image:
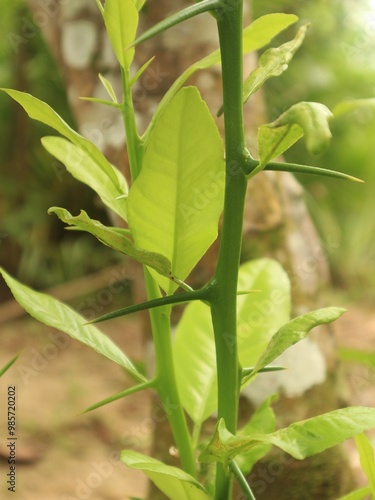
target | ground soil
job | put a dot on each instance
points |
(66, 456)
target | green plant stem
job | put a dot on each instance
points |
(180, 298)
(241, 480)
(224, 301)
(166, 379)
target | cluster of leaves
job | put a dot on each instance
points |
(181, 149)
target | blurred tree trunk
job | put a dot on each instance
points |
(276, 221)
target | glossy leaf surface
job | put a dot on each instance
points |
(273, 63)
(175, 204)
(295, 331)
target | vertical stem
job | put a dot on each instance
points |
(166, 378)
(224, 303)
(160, 318)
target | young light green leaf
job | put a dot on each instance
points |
(108, 86)
(258, 34)
(54, 313)
(300, 440)
(195, 362)
(260, 315)
(273, 63)
(121, 21)
(173, 482)
(295, 331)
(109, 184)
(366, 456)
(40, 111)
(113, 239)
(167, 215)
(359, 494)
(9, 364)
(305, 118)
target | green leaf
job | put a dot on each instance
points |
(300, 440)
(40, 111)
(273, 63)
(121, 21)
(173, 482)
(260, 315)
(108, 86)
(359, 494)
(305, 118)
(118, 241)
(366, 456)
(54, 313)
(295, 331)
(166, 214)
(258, 34)
(9, 364)
(108, 183)
(262, 421)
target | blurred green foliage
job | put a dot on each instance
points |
(336, 62)
(33, 245)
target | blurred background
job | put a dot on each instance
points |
(336, 62)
